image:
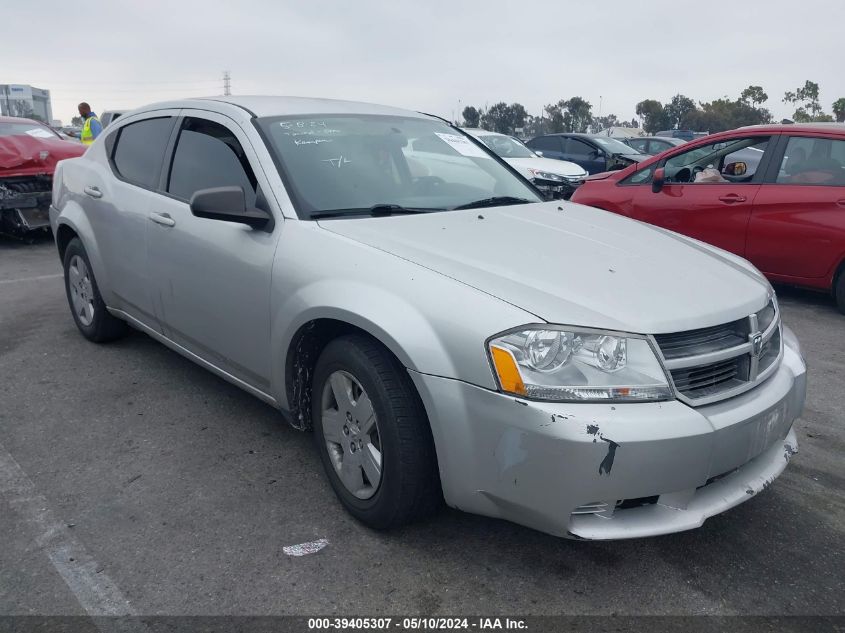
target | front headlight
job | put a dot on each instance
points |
(569, 365)
(545, 175)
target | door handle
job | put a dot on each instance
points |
(162, 218)
(841, 203)
(731, 198)
(94, 192)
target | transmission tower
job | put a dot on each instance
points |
(227, 83)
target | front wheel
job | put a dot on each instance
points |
(83, 296)
(373, 435)
(839, 292)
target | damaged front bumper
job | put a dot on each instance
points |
(24, 204)
(611, 471)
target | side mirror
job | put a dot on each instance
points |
(735, 169)
(658, 180)
(538, 152)
(229, 205)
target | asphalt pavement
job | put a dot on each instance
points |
(133, 481)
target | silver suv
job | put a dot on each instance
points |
(385, 280)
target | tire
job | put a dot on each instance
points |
(83, 297)
(408, 486)
(839, 292)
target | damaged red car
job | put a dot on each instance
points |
(29, 151)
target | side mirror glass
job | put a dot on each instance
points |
(658, 180)
(735, 169)
(227, 204)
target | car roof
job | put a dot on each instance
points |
(264, 106)
(797, 127)
(580, 134)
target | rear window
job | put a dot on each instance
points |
(813, 161)
(139, 150)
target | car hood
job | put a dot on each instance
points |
(570, 264)
(559, 167)
(26, 155)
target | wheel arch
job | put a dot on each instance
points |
(72, 222)
(303, 349)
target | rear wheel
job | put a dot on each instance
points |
(839, 292)
(373, 435)
(89, 312)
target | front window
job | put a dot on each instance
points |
(26, 129)
(505, 146)
(612, 146)
(734, 160)
(347, 164)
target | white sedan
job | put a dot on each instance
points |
(559, 177)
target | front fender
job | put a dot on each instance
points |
(396, 323)
(433, 324)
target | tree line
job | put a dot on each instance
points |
(681, 112)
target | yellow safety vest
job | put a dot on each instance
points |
(86, 136)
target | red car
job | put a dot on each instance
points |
(774, 194)
(29, 151)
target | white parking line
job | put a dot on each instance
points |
(92, 587)
(25, 279)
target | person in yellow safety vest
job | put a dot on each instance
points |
(91, 128)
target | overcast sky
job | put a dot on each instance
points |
(431, 55)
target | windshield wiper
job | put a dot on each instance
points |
(377, 210)
(492, 202)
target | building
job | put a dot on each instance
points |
(25, 101)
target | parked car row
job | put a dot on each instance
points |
(445, 330)
(558, 178)
(593, 152)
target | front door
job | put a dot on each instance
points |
(586, 155)
(210, 278)
(704, 195)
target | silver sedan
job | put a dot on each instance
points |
(386, 281)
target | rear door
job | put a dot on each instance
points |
(715, 209)
(117, 203)
(210, 278)
(797, 229)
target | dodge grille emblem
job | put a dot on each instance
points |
(756, 344)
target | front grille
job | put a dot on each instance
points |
(712, 363)
(705, 380)
(708, 339)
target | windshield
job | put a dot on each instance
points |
(352, 163)
(506, 146)
(30, 129)
(613, 146)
